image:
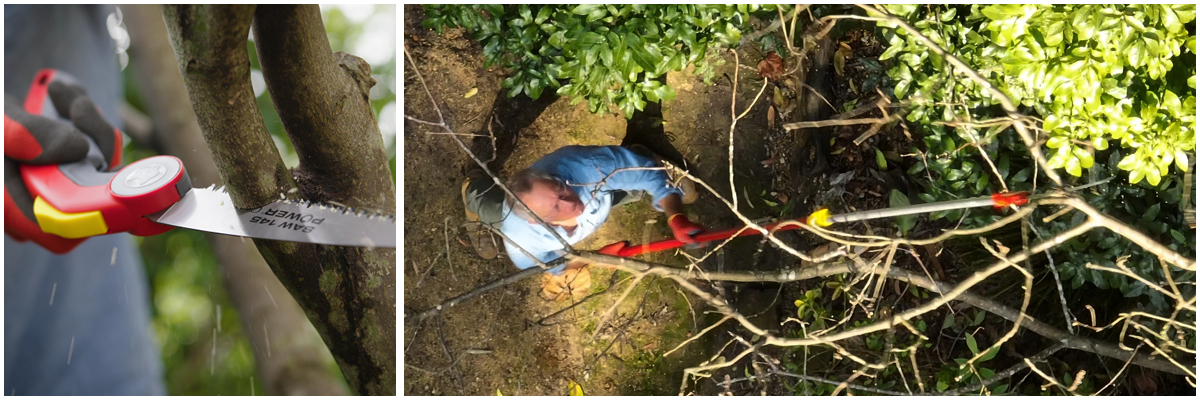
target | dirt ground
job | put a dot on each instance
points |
(499, 342)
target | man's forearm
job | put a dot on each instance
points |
(671, 205)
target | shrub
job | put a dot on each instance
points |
(608, 54)
(1093, 73)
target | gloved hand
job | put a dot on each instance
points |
(684, 229)
(34, 139)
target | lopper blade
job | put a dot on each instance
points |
(209, 210)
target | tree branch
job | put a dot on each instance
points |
(323, 102)
(296, 365)
(348, 292)
(519, 275)
(842, 267)
(210, 49)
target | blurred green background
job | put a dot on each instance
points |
(203, 347)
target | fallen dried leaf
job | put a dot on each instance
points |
(771, 117)
(771, 67)
(1000, 247)
(839, 58)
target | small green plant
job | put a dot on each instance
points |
(967, 372)
(809, 309)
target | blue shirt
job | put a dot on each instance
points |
(78, 323)
(583, 168)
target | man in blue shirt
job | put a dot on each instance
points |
(76, 323)
(572, 189)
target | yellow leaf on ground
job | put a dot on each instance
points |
(574, 389)
(498, 393)
(471, 93)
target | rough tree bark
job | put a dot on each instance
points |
(287, 356)
(347, 292)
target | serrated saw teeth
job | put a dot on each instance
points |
(297, 220)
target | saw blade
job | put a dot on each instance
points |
(211, 210)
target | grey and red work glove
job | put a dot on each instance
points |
(683, 229)
(30, 138)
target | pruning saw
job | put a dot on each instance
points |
(155, 194)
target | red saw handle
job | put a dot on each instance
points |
(79, 199)
(624, 249)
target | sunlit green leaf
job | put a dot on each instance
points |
(1153, 176)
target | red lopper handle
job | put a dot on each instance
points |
(1002, 200)
(624, 249)
(78, 200)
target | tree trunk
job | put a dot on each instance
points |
(348, 293)
(288, 358)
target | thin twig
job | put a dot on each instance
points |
(519, 275)
(613, 307)
(457, 374)
(836, 122)
(736, 117)
(697, 336)
(541, 321)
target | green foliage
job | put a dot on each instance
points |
(954, 169)
(611, 55)
(810, 310)
(1156, 211)
(1094, 73)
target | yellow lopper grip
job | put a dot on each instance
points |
(819, 218)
